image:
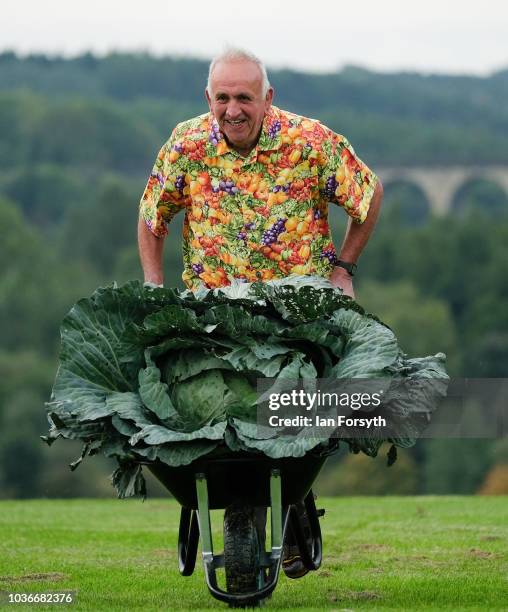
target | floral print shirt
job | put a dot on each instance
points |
(258, 217)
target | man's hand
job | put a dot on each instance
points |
(342, 279)
(150, 253)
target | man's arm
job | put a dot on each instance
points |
(354, 241)
(150, 253)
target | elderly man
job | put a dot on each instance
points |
(255, 182)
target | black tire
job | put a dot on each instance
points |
(241, 550)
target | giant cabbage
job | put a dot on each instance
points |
(157, 374)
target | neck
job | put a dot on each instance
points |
(245, 151)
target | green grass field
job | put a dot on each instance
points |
(410, 553)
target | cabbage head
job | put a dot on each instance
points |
(160, 374)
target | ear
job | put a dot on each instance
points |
(268, 98)
(208, 99)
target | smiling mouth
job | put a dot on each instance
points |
(236, 122)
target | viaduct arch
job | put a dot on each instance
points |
(441, 184)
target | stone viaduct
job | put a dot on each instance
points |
(440, 185)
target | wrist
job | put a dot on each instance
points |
(154, 279)
(345, 267)
(341, 275)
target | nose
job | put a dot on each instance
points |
(233, 110)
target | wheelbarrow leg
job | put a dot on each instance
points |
(212, 562)
(276, 514)
(188, 539)
(311, 552)
(204, 518)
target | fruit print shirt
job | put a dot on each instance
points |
(260, 217)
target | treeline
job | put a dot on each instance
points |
(400, 118)
(73, 164)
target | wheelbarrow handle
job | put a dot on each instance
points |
(312, 555)
(188, 540)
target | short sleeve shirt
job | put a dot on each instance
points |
(258, 217)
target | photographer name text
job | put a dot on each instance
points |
(320, 421)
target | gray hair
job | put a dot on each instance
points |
(234, 54)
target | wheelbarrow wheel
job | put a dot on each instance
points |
(241, 551)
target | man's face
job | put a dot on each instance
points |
(236, 100)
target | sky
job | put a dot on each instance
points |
(429, 36)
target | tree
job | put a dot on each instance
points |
(423, 324)
(406, 203)
(45, 193)
(21, 463)
(455, 465)
(496, 480)
(481, 197)
(36, 286)
(98, 233)
(362, 475)
(94, 136)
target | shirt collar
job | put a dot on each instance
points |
(269, 139)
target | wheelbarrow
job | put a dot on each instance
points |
(241, 482)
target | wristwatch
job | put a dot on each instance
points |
(350, 267)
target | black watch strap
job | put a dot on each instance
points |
(350, 267)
